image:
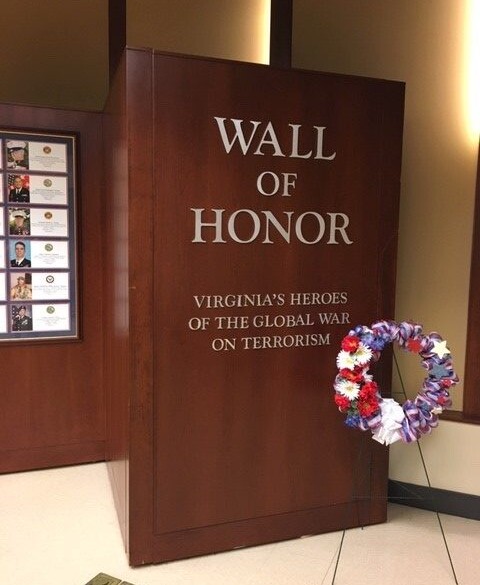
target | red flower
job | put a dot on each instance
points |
(351, 375)
(369, 390)
(350, 343)
(368, 407)
(414, 345)
(342, 402)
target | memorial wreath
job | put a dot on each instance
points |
(358, 395)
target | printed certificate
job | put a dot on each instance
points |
(48, 190)
(3, 284)
(49, 254)
(3, 318)
(2, 226)
(48, 156)
(50, 286)
(51, 317)
(48, 222)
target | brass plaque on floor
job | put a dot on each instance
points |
(103, 579)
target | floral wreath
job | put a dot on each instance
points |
(357, 395)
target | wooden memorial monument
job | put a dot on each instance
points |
(251, 221)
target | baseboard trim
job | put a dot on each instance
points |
(51, 456)
(435, 499)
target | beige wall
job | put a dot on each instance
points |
(424, 44)
(451, 458)
(54, 53)
(421, 43)
(227, 29)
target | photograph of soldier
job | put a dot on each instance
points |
(21, 287)
(18, 254)
(18, 192)
(21, 321)
(19, 224)
(17, 154)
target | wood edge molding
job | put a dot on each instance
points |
(471, 396)
(117, 34)
(52, 456)
(281, 20)
(459, 416)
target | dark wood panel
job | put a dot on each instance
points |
(243, 426)
(52, 392)
(56, 456)
(250, 429)
(265, 530)
(471, 395)
(117, 34)
(142, 303)
(115, 287)
(281, 21)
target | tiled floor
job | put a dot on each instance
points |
(59, 527)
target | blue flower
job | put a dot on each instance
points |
(378, 344)
(352, 420)
(374, 342)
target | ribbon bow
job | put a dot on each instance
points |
(388, 431)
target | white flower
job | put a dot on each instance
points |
(345, 360)
(388, 431)
(366, 376)
(347, 388)
(363, 354)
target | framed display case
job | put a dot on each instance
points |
(38, 236)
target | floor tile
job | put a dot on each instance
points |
(60, 526)
(409, 548)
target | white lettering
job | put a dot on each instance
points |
(198, 323)
(256, 226)
(269, 138)
(286, 341)
(288, 181)
(244, 226)
(238, 135)
(320, 135)
(295, 132)
(334, 228)
(321, 227)
(219, 344)
(276, 183)
(334, 318)
(283, 231)
(217, 224)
